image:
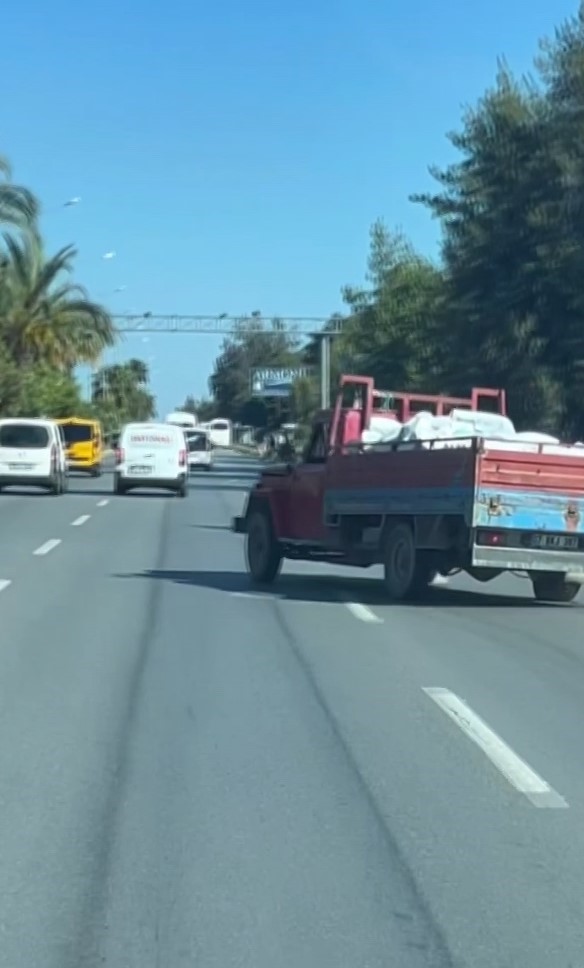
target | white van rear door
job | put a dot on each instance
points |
(151, 452)
(25, 450)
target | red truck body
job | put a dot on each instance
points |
(483, 506)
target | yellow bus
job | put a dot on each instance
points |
(84, 440)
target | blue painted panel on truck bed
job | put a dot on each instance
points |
(400, 500)
(527, 510)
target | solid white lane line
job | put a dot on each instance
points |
(47, 546)
(102, 504)
(513, 768)
(363, 613)
(81, 520)
(4, 583)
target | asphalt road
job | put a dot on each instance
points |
(192, 774)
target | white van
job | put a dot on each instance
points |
(32, 454)
(200, 450)
(151, 455)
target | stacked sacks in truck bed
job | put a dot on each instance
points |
(382, 430)
(458, 429)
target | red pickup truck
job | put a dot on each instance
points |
(420, 508)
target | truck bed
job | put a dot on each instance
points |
(534, 487)
(530, 491)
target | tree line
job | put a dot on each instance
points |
(503, 305)
(49, 326)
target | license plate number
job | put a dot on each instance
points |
(141, 469)
(558, 542)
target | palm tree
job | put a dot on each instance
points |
(122, 386)
(43, 319)
(18, 205)
(139, 370)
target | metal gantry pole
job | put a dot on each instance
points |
(325, 371)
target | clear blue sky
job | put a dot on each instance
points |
(234, 155)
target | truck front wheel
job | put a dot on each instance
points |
(263, 555)
(399, 562)
(554, 588)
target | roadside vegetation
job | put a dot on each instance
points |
(504, 303)
(49, 325)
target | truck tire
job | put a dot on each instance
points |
(399, 562)
(554, 588)
(262, 552)
(424, 575)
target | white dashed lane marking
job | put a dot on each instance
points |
(102, 504)
(81, 520)
(4, 583)
(363, 613)
(515, 770)
(47, 546)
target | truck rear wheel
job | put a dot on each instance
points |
(424, 575)
(262, 552)
(554, 588)
(399, 562)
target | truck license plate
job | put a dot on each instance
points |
(140, 469)
(557, 542)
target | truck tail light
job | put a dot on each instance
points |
(182, 458)
(120, 455)
(493, 539)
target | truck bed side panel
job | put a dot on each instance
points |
(530, 492)
(401, 482)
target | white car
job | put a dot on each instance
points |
(32, 454)
(200, 450)
(151, 455)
